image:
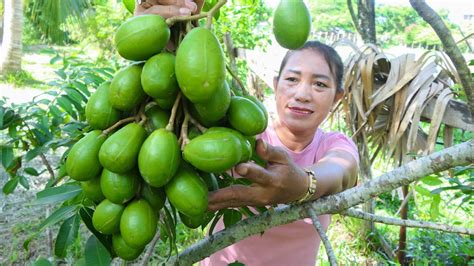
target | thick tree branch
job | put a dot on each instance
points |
(408, 223)
(458, 155)
(435, 21)
(317, 225)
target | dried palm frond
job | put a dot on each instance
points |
(386, 97)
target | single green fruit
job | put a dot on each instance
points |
(216, 107)
(120, 151)
(246, 117)
(166, 103)
(259, 104)
(213, 152)
(200, 65)
(141, 37)
(155, 196)
(159, 157)
(83, 159)
(187, 192)
(158, 77)
(291, 23)
(126, 90)
(123, 250)
(92, 190)
(119, 188)
(100, 114)
(244, 142)
(129, 5)
(157, 118)
(106, 218)
(138, 223)
(203, 120)
(192, 222)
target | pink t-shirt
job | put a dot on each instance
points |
(296, 243)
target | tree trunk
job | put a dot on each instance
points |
(450, 47)
(11, 49)
(364, 20)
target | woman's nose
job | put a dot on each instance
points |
(303, 92)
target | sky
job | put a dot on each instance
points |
(456, 8)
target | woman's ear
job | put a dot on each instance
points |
(338, 96)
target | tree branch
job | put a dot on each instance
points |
(435, 21)
(408, 223)
(174, 110)
(317, 225)
(458, 155)
(151, 248)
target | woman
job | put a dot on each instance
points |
(305, 163)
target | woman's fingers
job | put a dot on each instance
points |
(272, 154)
(254, 173)
(191, 5)
(233, 196)
(167, 11)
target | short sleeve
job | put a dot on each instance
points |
(337, 141)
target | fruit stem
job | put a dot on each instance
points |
(169, 127)
(116, 125)
(183, 137)
(234, 76)
(197, 124)
(209, 14)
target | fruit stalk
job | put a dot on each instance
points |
(208, 15)
(116, 125)
(234, 76)
(169, 127)
(197, 124)
(183, 137)
(151, 248)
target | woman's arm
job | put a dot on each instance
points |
(283, 181)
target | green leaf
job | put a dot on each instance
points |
(57, 216)
(86, 216)
(64, 102)
(42, 262)
(10, 185)
(66, 235)
(231, 217)
(434, 207)
(57, 194)
(95, 253)
(214, 222)
(423, 191)
(24, 182)
(31, 171)
(7, 156)
(31, 154)
(431, 180)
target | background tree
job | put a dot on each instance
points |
(11, 49)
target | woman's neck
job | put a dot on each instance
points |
(295, 141)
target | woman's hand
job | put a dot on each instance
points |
(169, 8)
(281, 182)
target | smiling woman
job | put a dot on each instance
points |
(305, 163)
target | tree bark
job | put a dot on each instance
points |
(364, 20)
(11, 49)
(351, 212)
(458, 155)
(450, 47)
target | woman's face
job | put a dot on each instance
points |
(305, 92)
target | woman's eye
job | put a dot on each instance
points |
(320, 84)
(291, 79)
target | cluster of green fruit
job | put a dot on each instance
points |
(130, 169)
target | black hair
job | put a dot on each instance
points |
(330, 55)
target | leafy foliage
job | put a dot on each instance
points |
(34, 128)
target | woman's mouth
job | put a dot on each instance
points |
(300, 110)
